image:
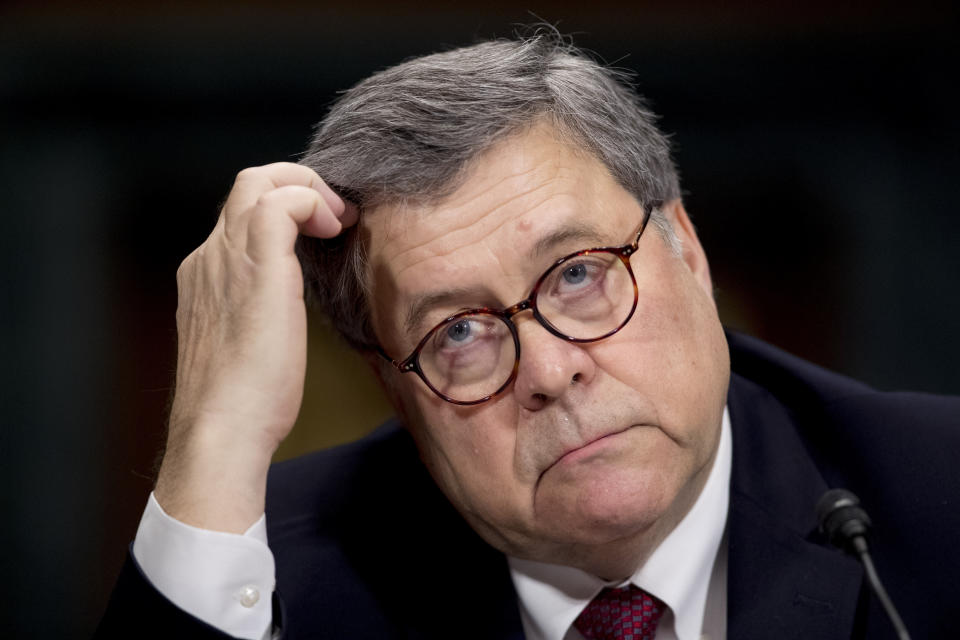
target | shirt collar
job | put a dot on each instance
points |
(678, 571)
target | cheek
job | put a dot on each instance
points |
(470, 452)
(674, 353)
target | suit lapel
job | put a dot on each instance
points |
(783, 582)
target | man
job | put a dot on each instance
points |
(499, 230)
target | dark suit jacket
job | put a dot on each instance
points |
(366, 546)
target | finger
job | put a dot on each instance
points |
(253, 182)
(350, 215)
(280, 215)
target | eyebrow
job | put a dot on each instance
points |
(427, 301)
(580, 232)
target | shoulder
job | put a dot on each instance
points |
(315, 480)
(327, 513)
(896, 450)
(322, 494)
(799, 429)
(810, 390)
(346, 524)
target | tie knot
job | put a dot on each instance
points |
(626, 613)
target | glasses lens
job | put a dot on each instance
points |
(588, 295)
(470, 357)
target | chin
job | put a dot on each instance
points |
(603, 512)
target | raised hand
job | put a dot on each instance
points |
(242, 341)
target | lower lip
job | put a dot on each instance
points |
(591, 448)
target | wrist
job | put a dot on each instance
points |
(213, 479)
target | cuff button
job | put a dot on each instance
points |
(248, 596)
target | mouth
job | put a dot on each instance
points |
(583, 450)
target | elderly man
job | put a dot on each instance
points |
(499, 230)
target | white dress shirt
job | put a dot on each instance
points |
(227, 579)
(687, 571)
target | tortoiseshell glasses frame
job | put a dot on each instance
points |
(412, 363)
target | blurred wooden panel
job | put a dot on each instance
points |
(341, 398)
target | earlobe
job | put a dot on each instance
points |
(692, 251)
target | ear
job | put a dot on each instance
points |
(693, 254)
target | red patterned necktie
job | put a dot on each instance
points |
(627, 613)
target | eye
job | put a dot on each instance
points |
(459, 331)
(577, 278)
(574, 274)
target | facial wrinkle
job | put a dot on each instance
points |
(584, 419)
(553, 171)
(450, 241)
(456, 299)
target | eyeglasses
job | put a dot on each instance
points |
(474, 355)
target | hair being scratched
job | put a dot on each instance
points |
(408, 134)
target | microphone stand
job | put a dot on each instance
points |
(846, 524)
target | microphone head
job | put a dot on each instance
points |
(841, 518)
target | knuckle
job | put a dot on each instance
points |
(266, 199)
(261, 210)
(185, 266)
(188, 265)
(247, 175)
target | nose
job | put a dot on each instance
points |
(549, 366)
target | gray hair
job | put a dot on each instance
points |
(408, 134)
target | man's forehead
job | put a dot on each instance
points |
(523, 203)
(526, 186)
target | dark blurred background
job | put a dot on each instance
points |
(818, 146)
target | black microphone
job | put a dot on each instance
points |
(845, 524)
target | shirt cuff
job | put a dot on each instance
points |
(224, 579)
